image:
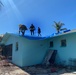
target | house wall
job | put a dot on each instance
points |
(64, 54)
(34, 51)
(16, 55)
(30, 52)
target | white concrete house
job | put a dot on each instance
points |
(30, 50)
(65, 44)
(27, 50)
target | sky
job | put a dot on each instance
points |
(42, 13)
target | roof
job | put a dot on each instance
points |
(30, 37)
(62, 34)
(7, 35)
(33, 37)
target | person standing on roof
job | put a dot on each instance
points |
(22, 29)
(32, 29)
(39, 31)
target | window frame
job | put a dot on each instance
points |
(51, 44)
(63, 43)
(17, 46)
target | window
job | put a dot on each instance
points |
(63, 43)
(51, 43)
(16, 46)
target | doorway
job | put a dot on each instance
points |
(8, 51)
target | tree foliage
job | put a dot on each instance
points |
(58, 26)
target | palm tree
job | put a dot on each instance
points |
(58, 26)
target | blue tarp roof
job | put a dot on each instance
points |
(34, 37)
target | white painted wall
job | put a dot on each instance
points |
(65, 53)
(30, 52)
(16, 55)
(34, 51)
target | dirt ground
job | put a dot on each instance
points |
(38, 70)
(7, 68)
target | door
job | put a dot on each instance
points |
(8, 51)
(53, 57)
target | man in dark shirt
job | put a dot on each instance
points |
(32, 29)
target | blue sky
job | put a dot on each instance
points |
(41, 13)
